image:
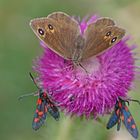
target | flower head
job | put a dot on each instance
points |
(110, 76)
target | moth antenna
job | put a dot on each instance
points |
(30, 94)
(26, 95)
(33, 80)
(127, 102)
(133, 100)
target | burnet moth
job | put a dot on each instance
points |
(120, 114)
(44, 105)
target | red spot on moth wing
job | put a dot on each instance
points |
(51, 105)
(46, 109)
(45, 94)
(36, 120)
(48, 105)
(133, 126)
(122, 117)
(120, 105)
(40, 113)
(129, 119)
(126, 108)
(39, 101)
(118, 112)
(36, 111)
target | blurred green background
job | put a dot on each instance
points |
(19, 46)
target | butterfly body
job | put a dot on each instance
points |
(122, 114)
(77, 53)
(62, 34)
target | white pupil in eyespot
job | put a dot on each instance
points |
(114, 39)
(50, 27)
(41, 32)
(108, 34)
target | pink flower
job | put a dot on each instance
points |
(111, 76)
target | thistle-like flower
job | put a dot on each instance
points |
(110, 75)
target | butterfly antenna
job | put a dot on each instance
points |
(33, 79)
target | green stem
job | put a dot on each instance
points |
(64, 130)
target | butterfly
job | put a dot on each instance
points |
(44, 105)
(120, 114)
(62, 34)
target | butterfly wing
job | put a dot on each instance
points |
(60, 32)
(129, 122)
(100, 36)
(40, 114)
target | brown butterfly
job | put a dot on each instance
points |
(62, 34)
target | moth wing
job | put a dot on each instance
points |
(98, 39)
(129, 122)
(113, 120)
(61, 38)
(40, 114)
(53, 110)
(119, 124)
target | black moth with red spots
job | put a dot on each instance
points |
(44, 105)
(121, 113)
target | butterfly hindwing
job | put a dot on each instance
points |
(40, 114)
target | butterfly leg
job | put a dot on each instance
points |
(83, 68)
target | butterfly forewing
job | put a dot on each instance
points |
(60, 33)
(40, 114)
(101, 23)
(100, 37)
